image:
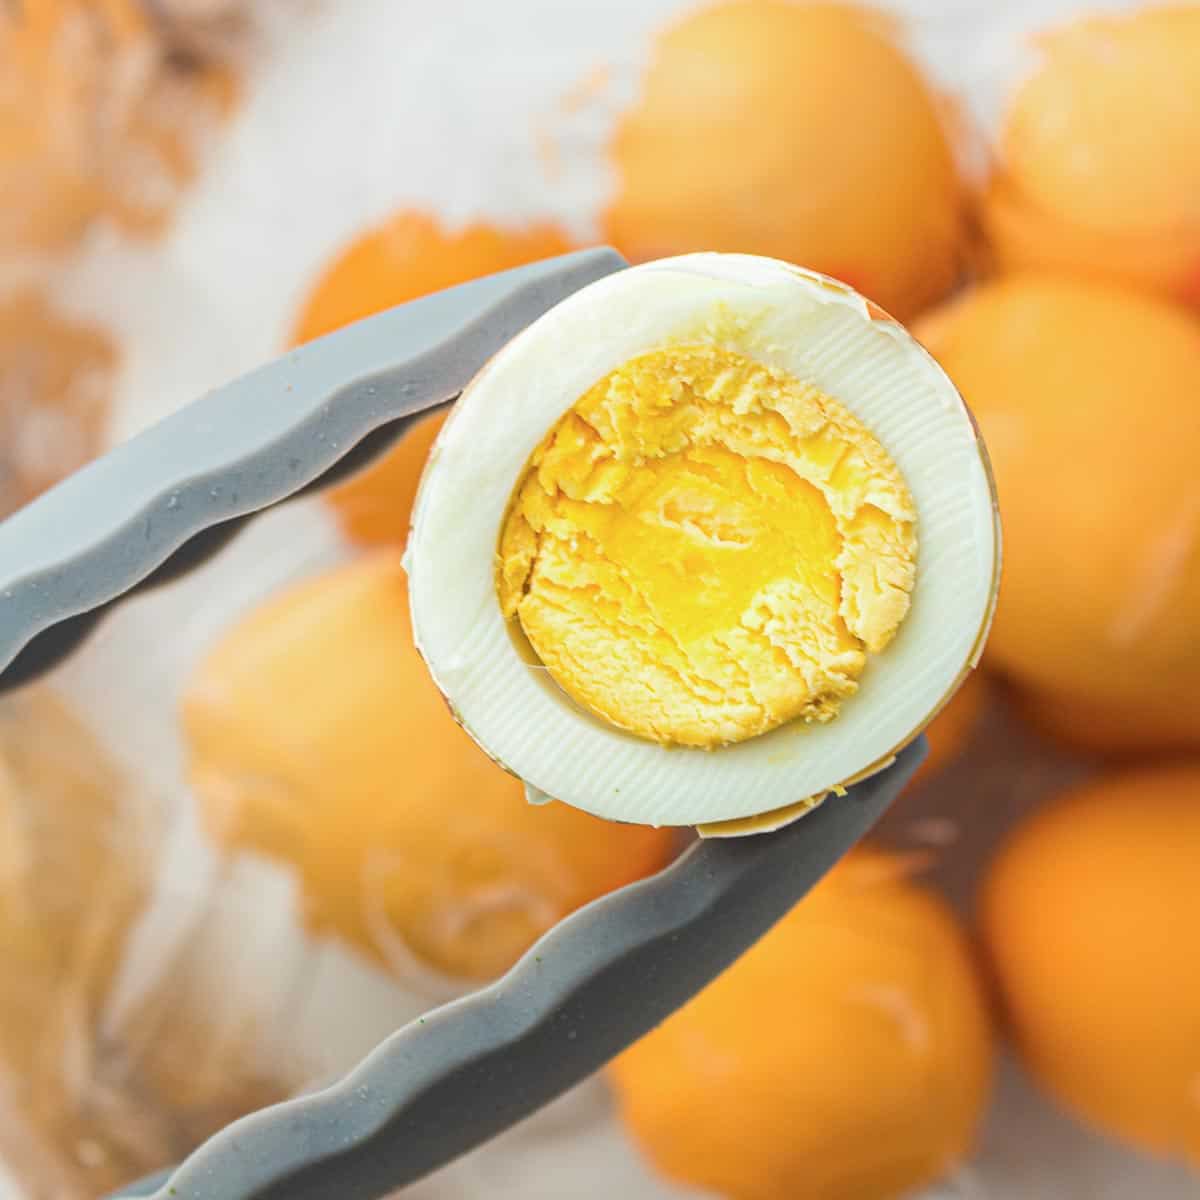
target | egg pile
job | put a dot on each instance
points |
(705, 544)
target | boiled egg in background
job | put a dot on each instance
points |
(890, 1063)
(1095, 885)
(409, 255)
(409, 844)
(1099, 620)
(1076, 190)
(756, 129)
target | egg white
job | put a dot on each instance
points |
(800, 322)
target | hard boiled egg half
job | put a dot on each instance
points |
(710, 540)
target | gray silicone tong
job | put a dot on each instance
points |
(170, 498)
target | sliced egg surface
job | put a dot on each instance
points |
(711, 539)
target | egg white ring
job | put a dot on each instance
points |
(817, 331)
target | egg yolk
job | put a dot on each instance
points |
(704, 548)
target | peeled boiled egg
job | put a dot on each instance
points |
(1093, 386)
(711, 539)
(802, 131)
(1087, 915)
(316, 740)
(410, 255)
(879, 1087)
(1101, 198)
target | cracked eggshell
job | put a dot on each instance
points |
(807, 325)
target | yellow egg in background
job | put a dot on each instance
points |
(409, 256)
(1086, 395)
(797, 131)
(847, 1056)
(316, 738)
(1089, 915)
(1099, 157)
(374, 507)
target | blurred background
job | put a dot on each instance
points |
(241, 838)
